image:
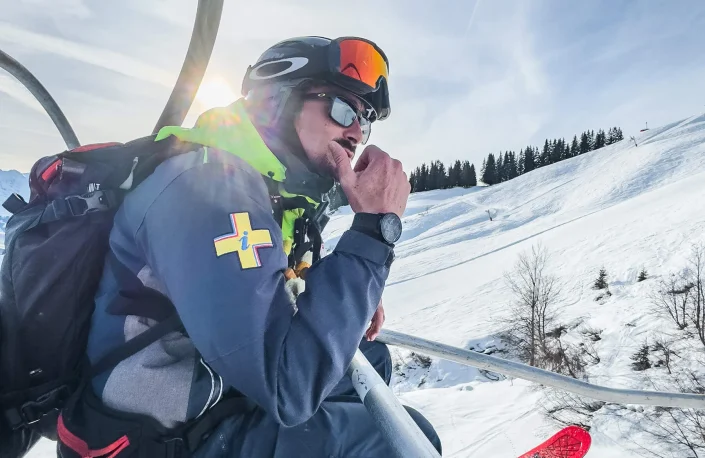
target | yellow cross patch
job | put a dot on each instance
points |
(244, 241)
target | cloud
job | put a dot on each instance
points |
(467, 79)
(107, 59)
(61, 8)
(13, 88)
(499, 101)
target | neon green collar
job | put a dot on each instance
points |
(230, 129)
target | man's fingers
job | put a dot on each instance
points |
(376, 323)
(342, 162)
(365, 158)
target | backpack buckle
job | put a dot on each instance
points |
(93, 201)
(32, 412)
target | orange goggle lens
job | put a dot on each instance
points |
(361, 61)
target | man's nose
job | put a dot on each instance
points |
(353, 133)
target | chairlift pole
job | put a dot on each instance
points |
(534, 374)
(39, 92)
(394, 422)
(205, 31)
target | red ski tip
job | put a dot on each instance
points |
(570, 442)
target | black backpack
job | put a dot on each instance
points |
(55, 249)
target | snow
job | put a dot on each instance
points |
(621, 207)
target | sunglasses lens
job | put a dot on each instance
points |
(345, 115)
(342, 113)
(366, 128)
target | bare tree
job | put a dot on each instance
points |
(567, 408)
(536, 294)
(589, 353)
(695, 272)
(682, 431)
(664, 350)
(672, 298)
(682, 296)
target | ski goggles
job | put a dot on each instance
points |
(344, 112)
(362, 60)
(362, 67)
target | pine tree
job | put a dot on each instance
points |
(467, 175)
(600, 139)
(591, 140)
(454, 174)
(584, 143)
(618, 135)
(643, 275)
(458, 170)
(546, 154)
(610, 136)
(641, 358)
(529, 159)
(422, 178)
(432, 176)
(562, 151)
(499, 167)
(574, 148)
(556, 151)
(507, 173)
(513, 169)
(490, 174)
(601, 282)
(441, 177)
(520, 163)
(412, 180)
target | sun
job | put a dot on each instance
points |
(215, 92)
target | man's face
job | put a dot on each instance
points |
(316, 129)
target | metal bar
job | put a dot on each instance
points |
(40, 93)
(395, 423)
(522, 371)
(205, 31)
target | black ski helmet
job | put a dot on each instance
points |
(354, 64)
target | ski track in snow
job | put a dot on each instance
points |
(622, 207)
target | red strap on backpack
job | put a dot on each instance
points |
(79, 446)
(51, 171)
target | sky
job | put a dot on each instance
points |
(467, 77)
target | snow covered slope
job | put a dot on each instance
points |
(621, 207)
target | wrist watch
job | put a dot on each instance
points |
(385, 227)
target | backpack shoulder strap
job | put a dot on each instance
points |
(134, 345)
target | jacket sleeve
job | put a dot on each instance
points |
(229, 291)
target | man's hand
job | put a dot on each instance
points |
(376, 324)
(378, 183)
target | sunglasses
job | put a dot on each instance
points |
(344, 112)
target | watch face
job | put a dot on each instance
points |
(390, 225)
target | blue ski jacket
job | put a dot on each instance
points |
(200, 230)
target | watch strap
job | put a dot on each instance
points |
(368, 223)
